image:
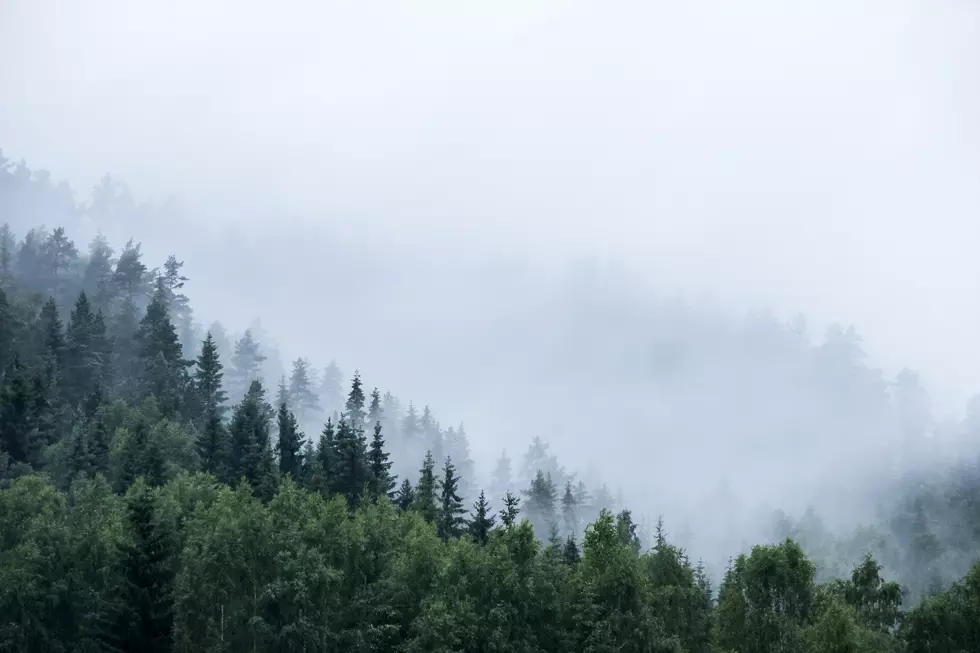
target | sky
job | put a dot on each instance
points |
(817, 156)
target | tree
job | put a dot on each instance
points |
(86, 351)
(540, 503)
(177, 302)
(249, 431)
(304, 401)
(352, 472)
(164, 373)
(406, 496)
(355, 402)
(18, 419)
(148, 577)
(410, 424)
(331, 392)
(483, 521)
(246, 364)
(382, 481)
(508, 514)
(568, 513)
(425, 490)
(451, 513)
(208, 380)
(290, 444)
(375, 412)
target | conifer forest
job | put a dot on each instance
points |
(160, 493)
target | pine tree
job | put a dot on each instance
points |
(17, 419)
(208, 378)
(290, 444)
(355, 402)
(86, 351)
(375, 412)
(410, 424)
(508, 514)
(52, 345)
(382, 481)
(148, 569)
(352, 471)
(97, 278)
(330, 387)
(141, 458)
(451, 522)
(303, 400)
(406, 496)
(130, 276)
(249, 436)
(483, 521)
(124, 326)
(425, 490)
(570, 554)
(164, 369)
(540, 507)
(568, 511)
(324, 470)
(246, 364)
(177, 302)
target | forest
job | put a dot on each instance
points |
(158, 492)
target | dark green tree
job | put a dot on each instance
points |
(451, 522)
(425, 490)
(354, 409)
(508, 514)
(249, 431)
(382, 481)
(290, 444)
(482, 522)
(406, 496)
(352, 470)
(164, 373)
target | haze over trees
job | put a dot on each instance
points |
(159, 494)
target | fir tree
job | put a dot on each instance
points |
(382, 481)
(375, 412)
(18, 436)
(540, 505)
(568, 511)
(410, 424)
(290, 444)
(86, 351)
(425, 490)
(148, 573)
(52, 346)
(246, 364)
(483, 521)
(570, 554)
(164, 369)
(406, 496)
(303, 400)
(352, 471)
(331, 387)
(249, 436)
(451, 522)
(508, 514)
(355, 402)
(324, 470)
(208, 378)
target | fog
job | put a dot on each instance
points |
(552, 218)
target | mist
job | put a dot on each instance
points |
(591, 222)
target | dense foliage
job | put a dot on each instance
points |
(156, 496)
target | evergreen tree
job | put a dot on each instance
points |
(352, 469)
(52, 345)
(208, 379)
(148, 571)
(97, 278)
(304, 401)
(425, 490)
(249, 436)
(540, 503)
(130, 277)
(355, 402)
(323, 473)
(508, 514)
(246, 364)
(406, 496)
(382, 481)
(568, 512)
(570, 554)
(331, 392)
(410, 424)
(375, 412)
(451, 522)
(164, 369)
(18, 420)
(501, 481)
(290, 444)
(86, 351)
(177, 302)
(483, 521)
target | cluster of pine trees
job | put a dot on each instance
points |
(153, 501)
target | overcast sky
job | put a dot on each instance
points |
(815, 156)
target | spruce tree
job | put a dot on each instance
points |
(52, 345)
(406, 496)
(83, 356)
(410, 424)
(570, 553)
(148, 574)
(164, 369)
(483, 521)
(451, 522)
(382, 481)
(302, 399)
(352, 471)
(290, 444)
(246, 364)
(249, 436)
(331, 390)
(508, 514)
(355, 402)
(568, 511)
(375, 412)
(425, 490)
(540, 507)
(17, 419)
(324, 470)
(213, 446)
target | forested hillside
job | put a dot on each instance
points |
(164, 489)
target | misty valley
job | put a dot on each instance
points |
(168, 485)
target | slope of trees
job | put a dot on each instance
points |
(155, 496)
